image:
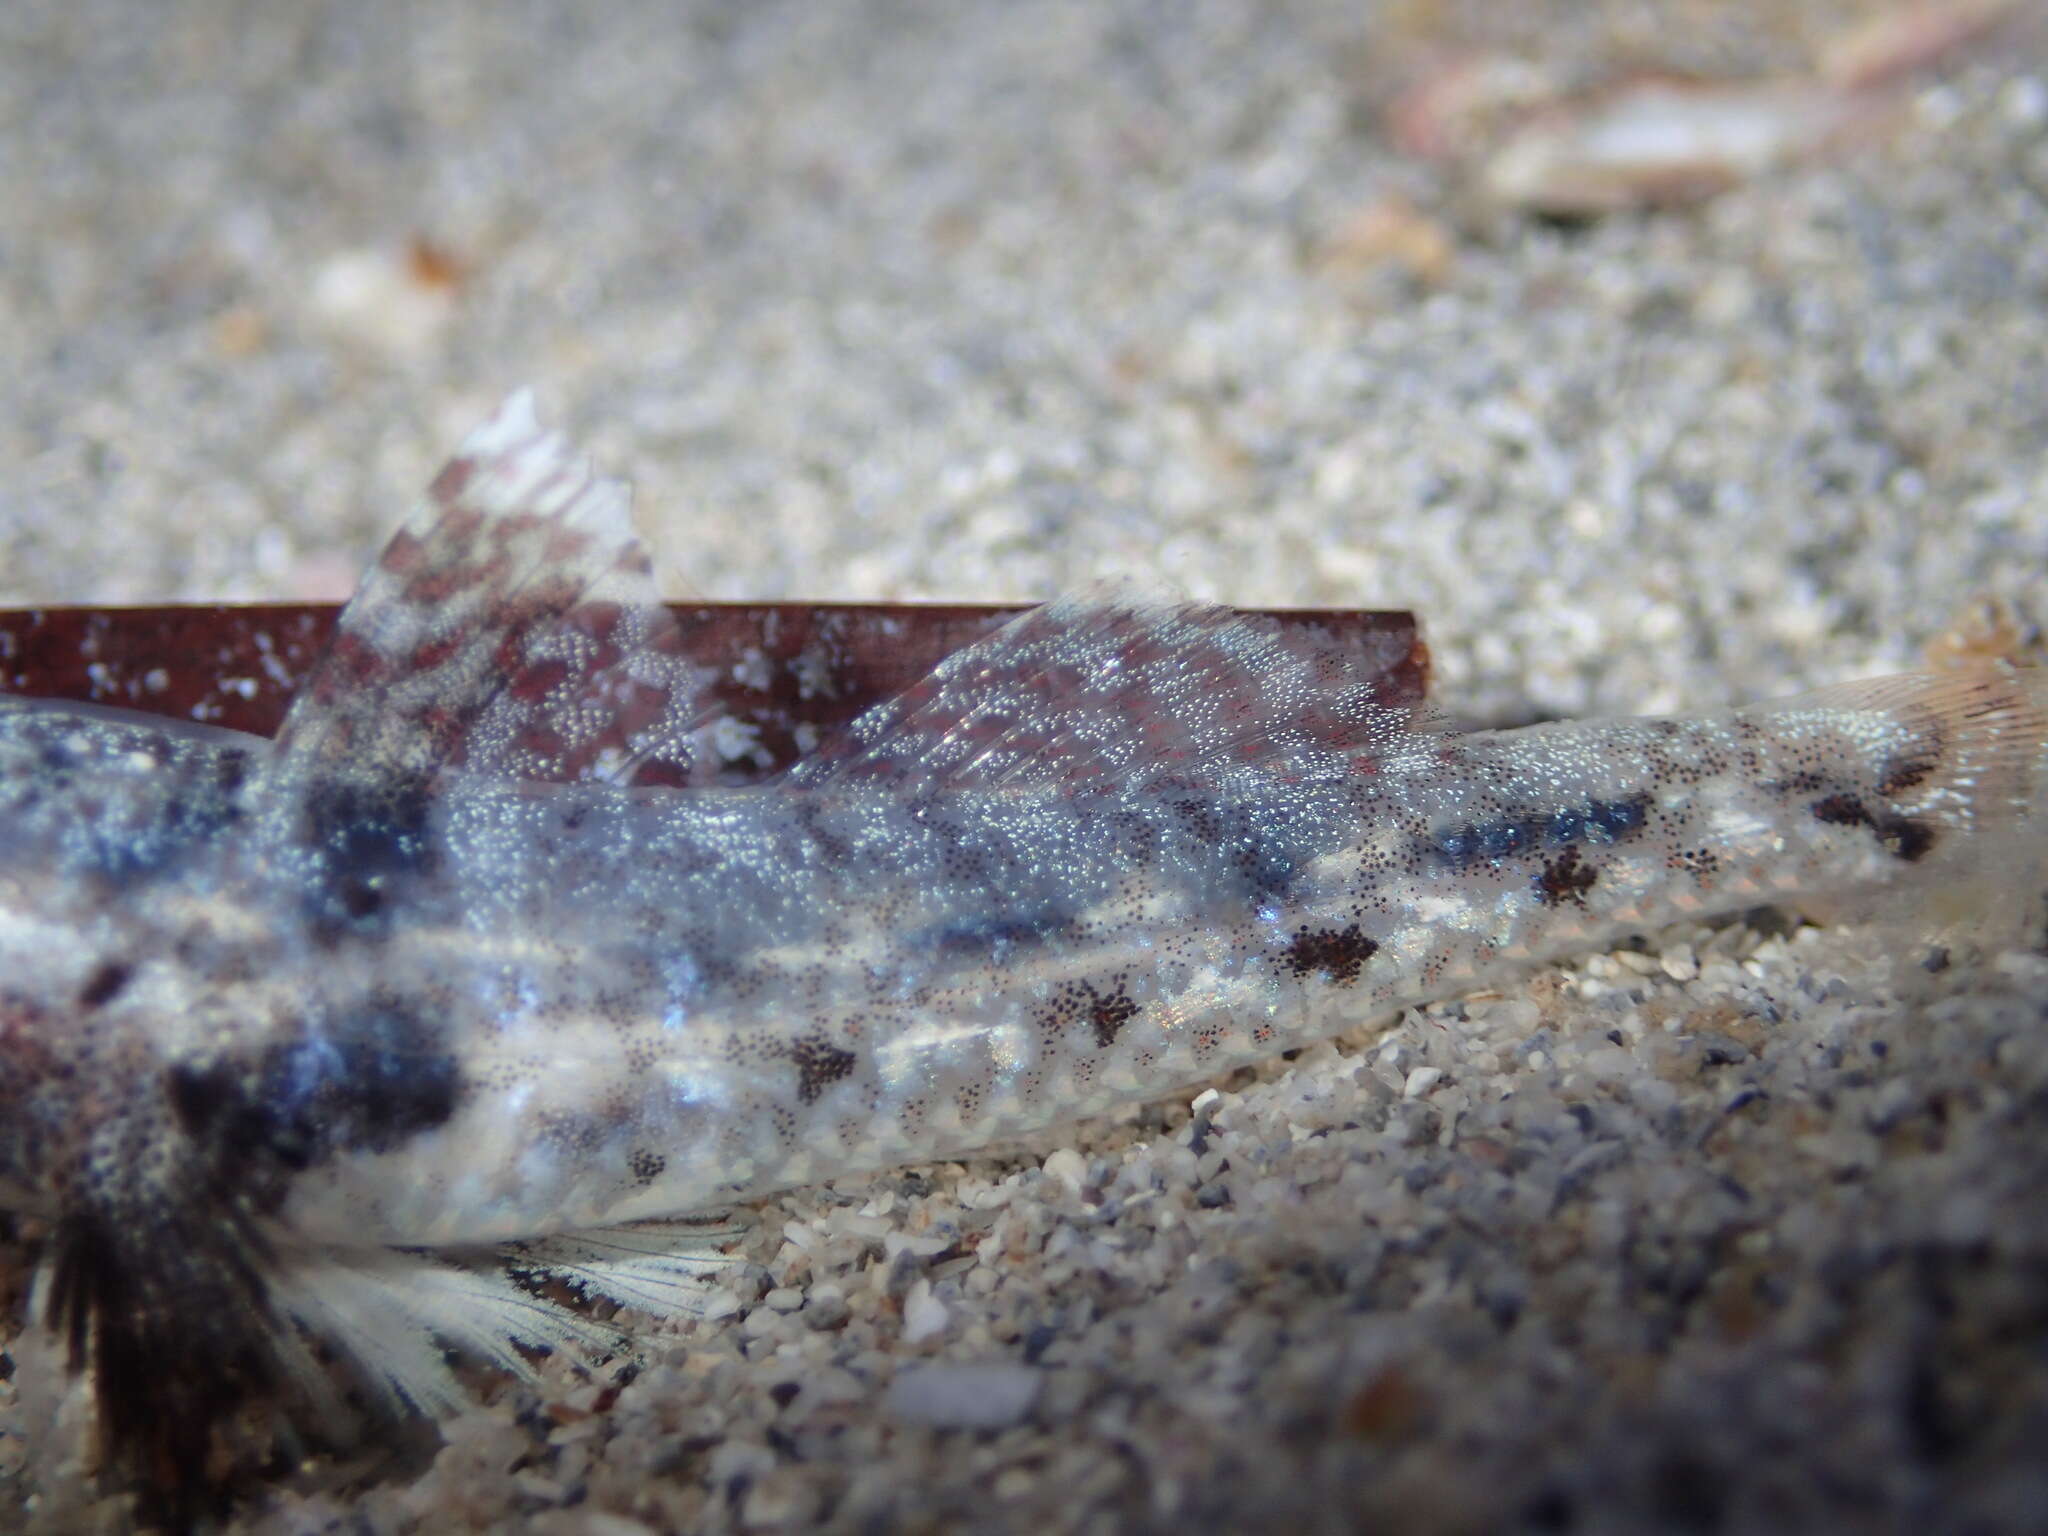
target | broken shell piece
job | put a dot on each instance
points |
(391, 300)
(1391, 233)
(1655, 143)
(1458, 105)
(1897, 43)
(1988, 629)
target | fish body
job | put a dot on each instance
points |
(651, 1003)
(467, 979)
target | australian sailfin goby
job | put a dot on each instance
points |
(453, 993)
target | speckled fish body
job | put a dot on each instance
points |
(652, 1003)
(461, 980)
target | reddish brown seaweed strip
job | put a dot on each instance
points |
(792, 671)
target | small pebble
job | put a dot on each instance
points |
(1069, 1167)
(1420, 1081)
(924, 1315)
(826, 1311)
(958, 1395)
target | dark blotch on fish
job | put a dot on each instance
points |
(1106, 1011)
(104, 985)
(647, 1166)
(819, 1064)
(370, 836)
(1109, 1015)
(1909, 769)
(1598, 821)
(1338, 953)
(1900, 836)
(1565, 878)
(365, 1082)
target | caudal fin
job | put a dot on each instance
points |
(1960, 789)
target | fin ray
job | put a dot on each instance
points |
(653, 1266)
(394, 1310)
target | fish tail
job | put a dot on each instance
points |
(1957, 786)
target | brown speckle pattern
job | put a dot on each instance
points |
(1565, 878)
(1338, 954)
(819, 1064)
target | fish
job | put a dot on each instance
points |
(470, 994)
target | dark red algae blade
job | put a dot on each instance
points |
(792, 672)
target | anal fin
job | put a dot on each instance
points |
(651, 1266)
(395, 1310)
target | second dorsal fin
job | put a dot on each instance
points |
(1118, 688)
